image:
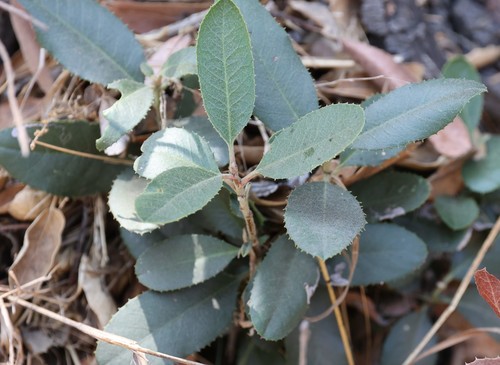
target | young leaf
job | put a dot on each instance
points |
(414, 112)
(459, 68)
(57, 172)
(312, 140)
(458, 213)
(281, 290)
(177, 193)
(488, 287)
(284, 89)
(174, 147)
(404, 336)
(225, 69)
(387, 252)
(88, 40)
(183, 261)
(483, 176)
(180, 64)
(390, 194)
(323, 219)
(127, 112)
(177, 323)
(126, 188)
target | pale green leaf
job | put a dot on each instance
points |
(352, 157)
(177, 193)
(58, 172)
(315, 138)
(414, 112)
(171, 148)
(126, 188)
(284, 89)
(323, 219)
(180, 64)
(176, 323)
(477, 311)
(183, 261)
(404, 336)
(457, 213)
(386, 252)
(390, 194)
(88, 39)
(279, 297)
(127, 112)
(483, 176)
(459, 68)
(225, 69)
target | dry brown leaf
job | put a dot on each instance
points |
(489, 288)
(28, 204)
(485, 361)
(7, 195)
(447, 180)
(41, 244)
(453, 140)
(98, 297)
(4, 177)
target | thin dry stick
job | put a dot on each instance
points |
(115, 161)
(34, 78)
(22, 135)
(336, 310)
(98, 334)
(458, 295)
(23, 15)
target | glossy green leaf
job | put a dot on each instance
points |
(283, 283)
(483, 176)
(414, 112)
(202, 127)
(387, 252)
(177, 193)
(459, 68)
(404, 336)
(390, 194)
(312, 140)
(171, 148)
(225, 69)
(353, 157)
(88, 40)
(126, 188)
(57, 172)
(284, 89)
(176, 323)
(323, 219)
(323, 344)
(180, 64)
(127, 112)
(183, 261)
(457, 213)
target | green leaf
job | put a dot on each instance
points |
(127, 112)
(386, 252)
(281, 290)
(483, 176)
(126, 188)
(284, 89)
(457, 213)
(177, 193)
(255, 351)
(225, 69)
(404, 336)
(137, 244)
(88, 40)
(58, 172)
(202, 127)
(183, 261)
(323, 344)
(462, 259)
(353, 157)
(176, 323)
(323, 219)
(390, 194)
(171, 148)
(180, 64)
(313, 139)
(459, 68)
(414, 112)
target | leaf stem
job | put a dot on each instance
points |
(336, 311)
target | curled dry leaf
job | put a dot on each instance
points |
(28, 204)
(41, 244)
(495, 361)
(452, 141)
(7, 195)
(489, 288)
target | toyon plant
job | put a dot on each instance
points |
(211, 257)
